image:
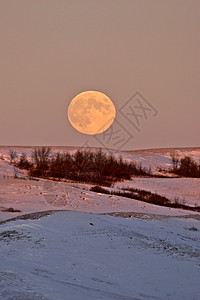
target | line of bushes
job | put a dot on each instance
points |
(85, 166)
(144, 196)
(186, 166)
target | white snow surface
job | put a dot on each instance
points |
(75, 253)
(35, 196)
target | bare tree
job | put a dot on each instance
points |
(175, 160)
(41, 159)
(12, 155)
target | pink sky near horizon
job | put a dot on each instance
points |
(52, 50)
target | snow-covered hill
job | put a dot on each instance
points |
(72, 255)
(76, 253)
(32, 196)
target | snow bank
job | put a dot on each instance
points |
(71, 255)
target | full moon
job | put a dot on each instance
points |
(91, 112)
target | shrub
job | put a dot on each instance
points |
(85, 166)
(186, 167)
(24, 163)
(41, 161)
(12, 155)
(145, 196)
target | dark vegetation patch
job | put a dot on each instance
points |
(11, 209)
(82, 166)
(193, 228)
(144, 196)
(12, 235)
(185, 167)
(149, 216)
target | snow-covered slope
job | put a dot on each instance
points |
(161, 158)
(6, 170)
(184, 190)
(72, 255)
(33, 196)
(77, 254)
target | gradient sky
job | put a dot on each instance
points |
(51, 50)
